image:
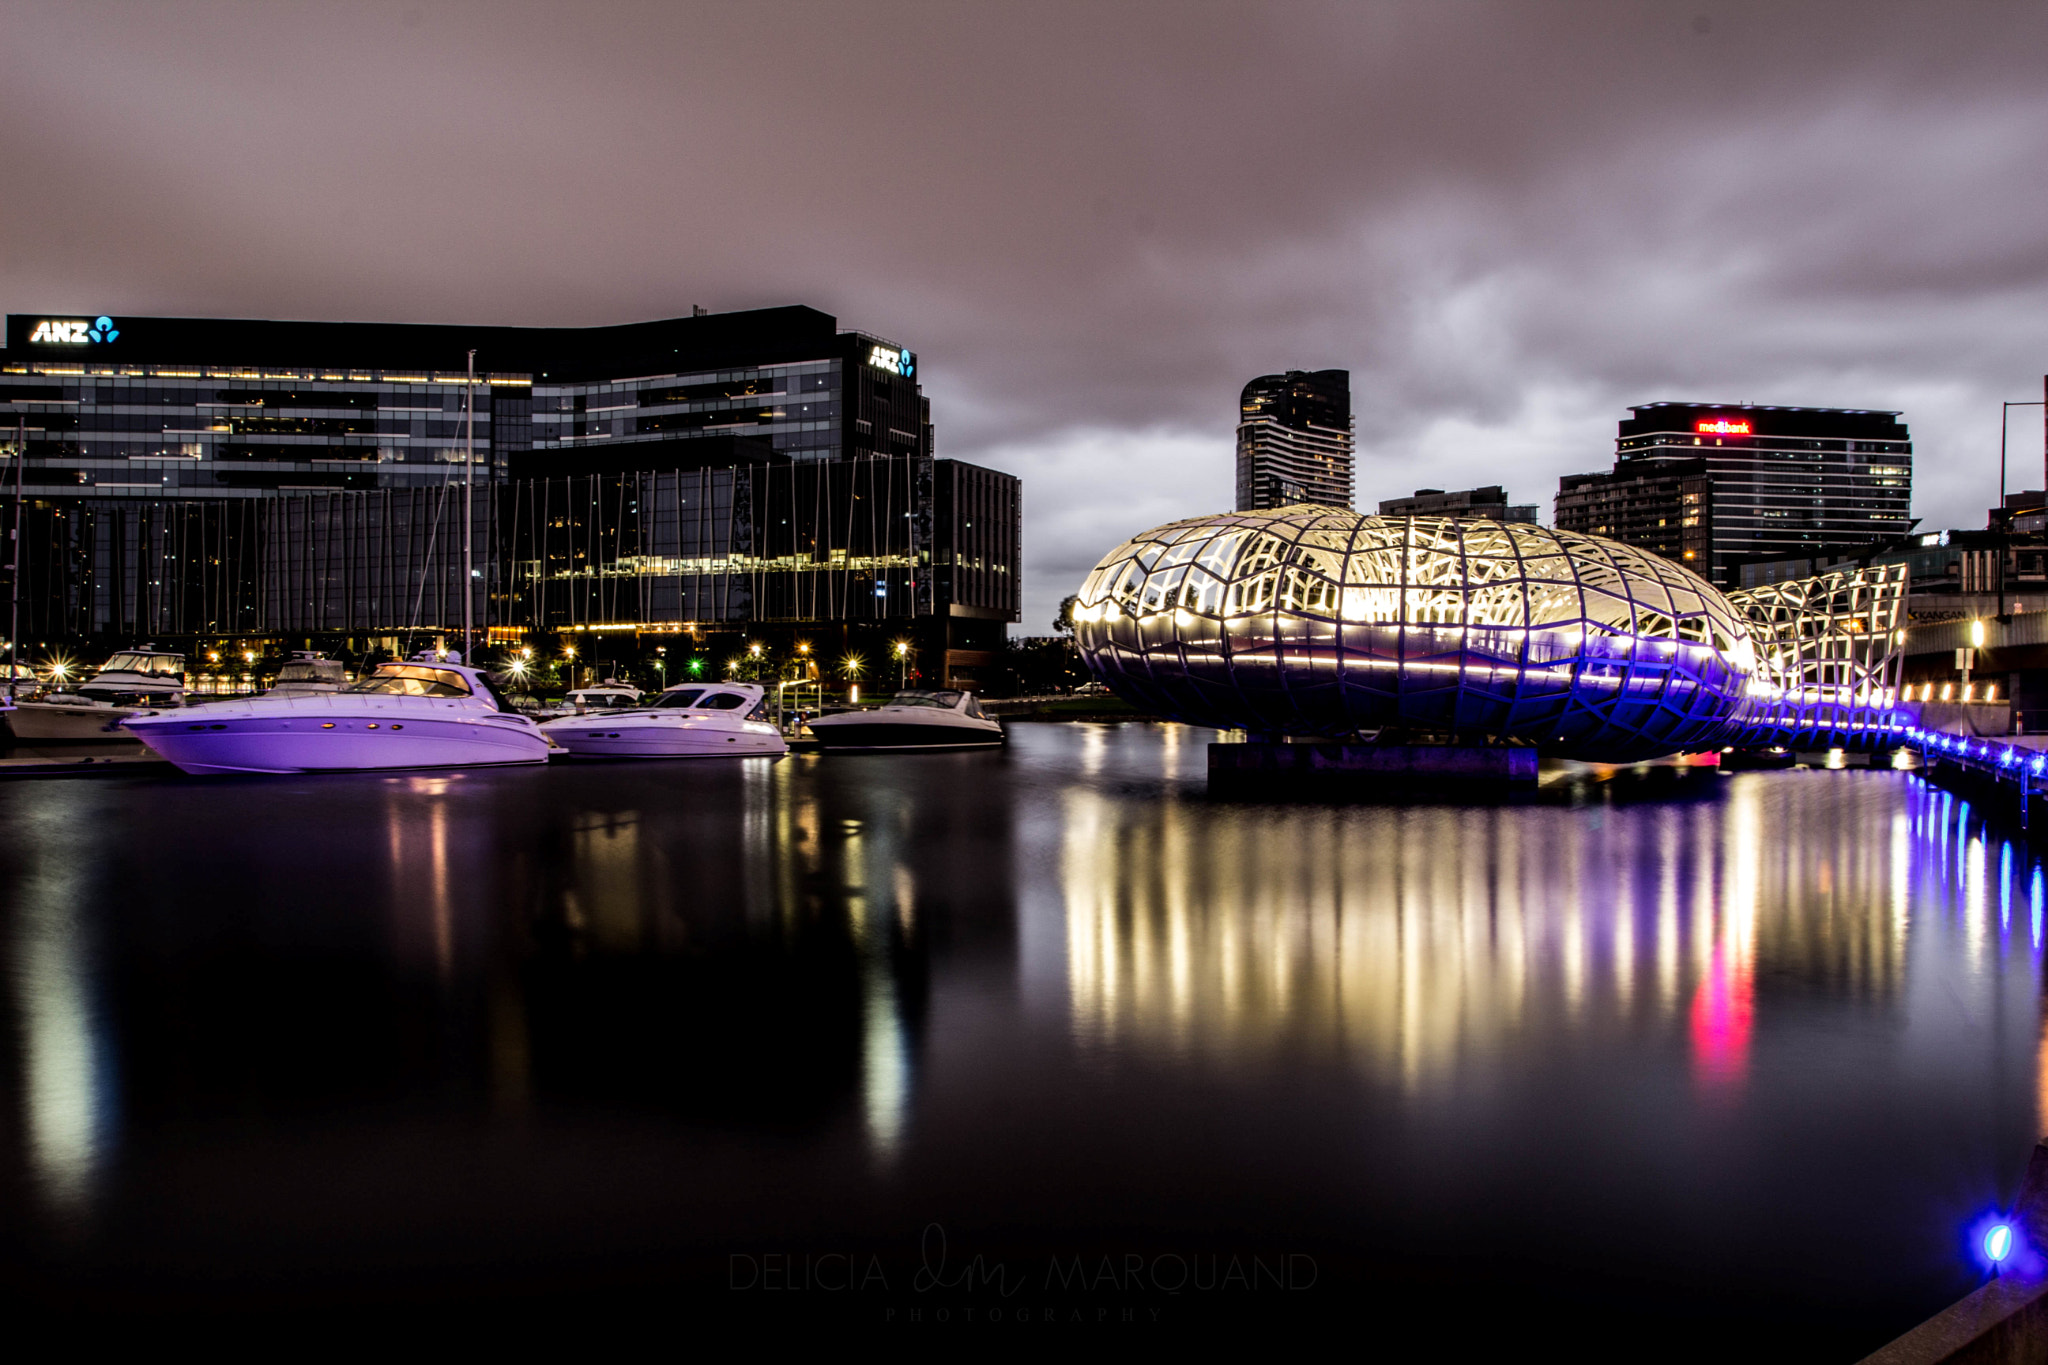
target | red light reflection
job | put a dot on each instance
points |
(1722, 1013)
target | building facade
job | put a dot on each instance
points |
(1491, 502)
(1294, 440)
(1716, 487)
(190, 479)
(214, 408)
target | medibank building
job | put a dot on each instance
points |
(1715, 486)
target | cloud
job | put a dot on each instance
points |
(1095, 222)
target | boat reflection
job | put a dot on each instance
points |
(69, 1090)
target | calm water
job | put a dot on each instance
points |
(803, 1040)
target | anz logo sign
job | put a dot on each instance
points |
(51, 332)
(884, 358)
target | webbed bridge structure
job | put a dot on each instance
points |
(1312, 621)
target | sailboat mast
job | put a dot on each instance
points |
(14, 617)
(469, 518)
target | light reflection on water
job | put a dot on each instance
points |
(69, 1089)
(1413, 942)
(919, 975)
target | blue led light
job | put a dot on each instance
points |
(1998, 1242)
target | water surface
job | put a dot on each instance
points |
(1046, 1037)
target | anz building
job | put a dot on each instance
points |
(195, 477)
(209, 408)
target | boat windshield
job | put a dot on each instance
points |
(677, 700)
(722, 701)
(944, 701)
(413, 680)
(603, 699)
(312, 670)
(169, 665)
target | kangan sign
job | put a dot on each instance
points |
(56, 332)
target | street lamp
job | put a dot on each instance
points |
(902, 664)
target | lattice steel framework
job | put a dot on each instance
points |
(1319, 621)
(1828, 658)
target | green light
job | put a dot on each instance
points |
(696, 667)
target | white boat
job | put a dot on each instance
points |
(690, 720)
(309, 675)
(423, 714)
(15, 680)
(912, 720)
(133, 681)
(612, 695)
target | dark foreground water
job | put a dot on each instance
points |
(1041, 1041)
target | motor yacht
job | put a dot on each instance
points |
(912, 720)
(132, 681)
(16, 680)
(309, 675)
(611, 695)
(429, 713)
(690, 720)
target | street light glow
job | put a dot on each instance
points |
(1998, 1243)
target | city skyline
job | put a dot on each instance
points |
(1504, 267)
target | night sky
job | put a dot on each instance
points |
(1095, 222)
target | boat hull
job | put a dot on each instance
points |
(336, 744)
(902, 735)
(593, 737)
(41, 723)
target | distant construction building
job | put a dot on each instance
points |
(1294, 441)
(1490, 502)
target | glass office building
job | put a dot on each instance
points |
(206, 408)
(192, 477)
(1716, 487)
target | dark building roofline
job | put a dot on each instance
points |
(1761, 407)
(754, 336)
(1763, 420)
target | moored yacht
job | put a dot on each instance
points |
(130, 682)
(309, 675)
(611, 695)
(423, 714)
(690, 720)
(912, 720)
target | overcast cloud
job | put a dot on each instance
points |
(1095, 222)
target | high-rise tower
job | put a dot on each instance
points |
(1294, 441)
(1715, 486)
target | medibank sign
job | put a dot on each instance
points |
(1722, 426)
